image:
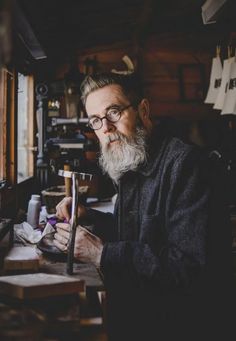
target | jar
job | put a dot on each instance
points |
(33, 212)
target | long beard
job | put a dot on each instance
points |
(128, 154)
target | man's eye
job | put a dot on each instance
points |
(95, 120)
(113, 113)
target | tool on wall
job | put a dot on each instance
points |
(130, 67)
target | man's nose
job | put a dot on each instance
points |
(107, 125)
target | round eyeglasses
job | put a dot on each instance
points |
(112, 115)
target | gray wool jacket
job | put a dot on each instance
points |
(169, 234)
(160, 227)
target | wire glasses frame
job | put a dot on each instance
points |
(113, 115)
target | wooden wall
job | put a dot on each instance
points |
(175, 69)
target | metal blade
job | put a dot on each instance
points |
(81, 176)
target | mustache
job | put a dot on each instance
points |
(118, 136)
(114, 137)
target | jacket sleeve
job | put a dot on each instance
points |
(188, 211)
(101, 224)
(182, 257)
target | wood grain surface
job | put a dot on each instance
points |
(39, 285)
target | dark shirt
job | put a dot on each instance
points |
(168, 244)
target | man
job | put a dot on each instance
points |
(157, 252)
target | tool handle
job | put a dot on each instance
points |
(67, 181)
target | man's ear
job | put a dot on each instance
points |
(144, 111)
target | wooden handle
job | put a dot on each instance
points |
(67, 181)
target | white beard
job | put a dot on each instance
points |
(125, 155)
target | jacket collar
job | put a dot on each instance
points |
(156, 146)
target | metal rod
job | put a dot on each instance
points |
(74, 212)
(73, 225)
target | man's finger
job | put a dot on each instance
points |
(60, 246)
(63, 232)
(65, 201)
(59, 215)
(63, 208)
(63, 212)
(63, 226)
(61, 239)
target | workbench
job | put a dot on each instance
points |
(57, 317)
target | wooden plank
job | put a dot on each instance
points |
(21, 258)
(39, 285)
(182, 110)
(202, 41)
(181, 56)
(168, 91)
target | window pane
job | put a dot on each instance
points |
(25, 128)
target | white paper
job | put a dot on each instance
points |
(25, 232)
(215, 81)
(48, 229)
(230, 99)
(224, 83)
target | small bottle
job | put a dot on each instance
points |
(33, 212)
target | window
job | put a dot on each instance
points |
(16, 127)
(25, 125)
(2, 124)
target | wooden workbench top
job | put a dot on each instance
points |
(86, 272)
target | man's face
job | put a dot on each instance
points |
(123, 143)
(97, 104)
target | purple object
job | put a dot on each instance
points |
(54, 220)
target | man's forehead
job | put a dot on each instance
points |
(101, 99)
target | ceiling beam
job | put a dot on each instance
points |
(25, 33)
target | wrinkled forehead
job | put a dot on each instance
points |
(100, 99)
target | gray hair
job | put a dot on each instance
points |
(128, 156)
(130, 85)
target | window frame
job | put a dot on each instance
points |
(2, 124)
(8, 125)
(30, 128)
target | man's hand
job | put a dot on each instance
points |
(88, 247)
(63, 209)
(61, 237)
